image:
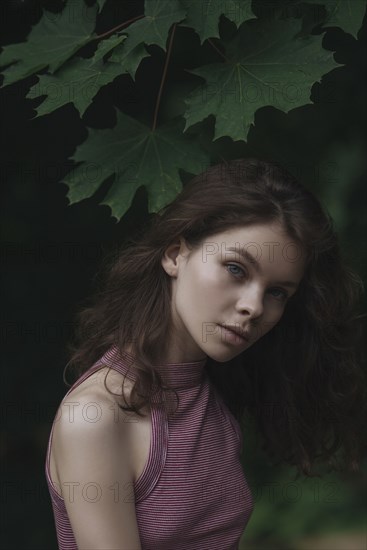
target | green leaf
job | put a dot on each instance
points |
(106, 45)
(136, 156)
(78, 81)
(55, 38)
(346, 14)
(129, 59)
(152, 29)
(203, 16)
(267, 66)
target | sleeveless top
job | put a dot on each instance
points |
(192, 494)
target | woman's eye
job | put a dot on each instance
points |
(236, 267)
(279, 294)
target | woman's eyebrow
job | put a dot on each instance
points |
(246, 255)
(250, 258)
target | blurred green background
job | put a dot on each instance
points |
(51, 251)
(324, 513)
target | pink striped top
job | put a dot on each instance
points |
(192, 494)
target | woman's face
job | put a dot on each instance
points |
(246, 288)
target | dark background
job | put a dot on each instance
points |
(50, 253)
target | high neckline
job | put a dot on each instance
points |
(185, 374)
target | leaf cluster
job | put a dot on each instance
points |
(268, 59)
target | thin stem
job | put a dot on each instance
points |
(163, 77)
(118, 27)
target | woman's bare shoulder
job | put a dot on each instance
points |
(89, 418)
(92, 450)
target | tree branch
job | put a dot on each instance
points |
(118, 27)
(169, 49)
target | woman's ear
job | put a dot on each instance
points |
(172, 256)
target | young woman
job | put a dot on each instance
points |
(234, 300)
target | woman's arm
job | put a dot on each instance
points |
(95, 474)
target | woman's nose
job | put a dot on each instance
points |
(251, 302)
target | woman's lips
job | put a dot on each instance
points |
(233, 337)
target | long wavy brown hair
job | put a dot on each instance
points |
(302, 382)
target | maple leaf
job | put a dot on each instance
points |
(136, 156)
(51, 42)
(267, 66)
(160, 15)
(80, 79)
